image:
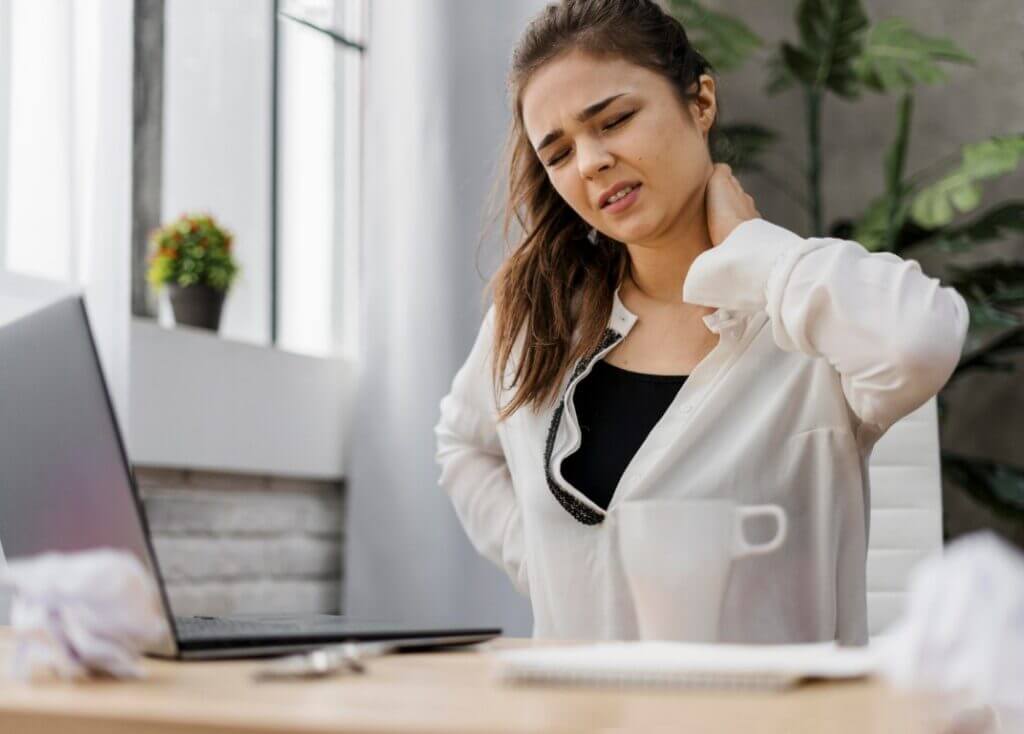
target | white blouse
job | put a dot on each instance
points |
(823, 345)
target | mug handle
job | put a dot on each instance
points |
(741, 547)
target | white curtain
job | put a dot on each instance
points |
(436, 118)
(65, 168)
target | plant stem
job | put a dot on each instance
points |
(894, 169)
(814, 100)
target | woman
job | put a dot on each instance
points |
(653, 337)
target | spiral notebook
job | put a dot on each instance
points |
(684, 664)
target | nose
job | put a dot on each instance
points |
(592, 157)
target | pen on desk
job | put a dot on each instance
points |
(324, 661)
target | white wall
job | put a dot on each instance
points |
(436, 117)
(202, 402)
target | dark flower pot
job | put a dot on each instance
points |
(197, 305)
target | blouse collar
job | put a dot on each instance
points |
(721, 321)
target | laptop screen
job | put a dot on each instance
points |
(64, 479)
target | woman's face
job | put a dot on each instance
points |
(645, 137)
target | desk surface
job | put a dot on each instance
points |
(446, 692)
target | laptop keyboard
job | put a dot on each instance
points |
(206, 628)
(201, 632)
(193, 627)
(206, 624)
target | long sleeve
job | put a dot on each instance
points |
(892, 333)
(474, 470)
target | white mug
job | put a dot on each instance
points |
(677, 555)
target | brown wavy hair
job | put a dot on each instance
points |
(554, 282)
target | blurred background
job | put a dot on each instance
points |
(332, 159)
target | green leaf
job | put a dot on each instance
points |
(831, 37)
(724, 40)
(997, 485)
(960, 189)
(799, 64)
(895, 57)
(780, 77)
(871, 229)
(987, 316)
(990, 290)
(741, 144)
(999, 283)
(996, 223)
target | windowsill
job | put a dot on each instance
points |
(201, 401)
(166, 323)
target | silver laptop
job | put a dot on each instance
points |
(66, 485)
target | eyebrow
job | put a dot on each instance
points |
(583, 116)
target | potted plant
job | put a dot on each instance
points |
(192, 257)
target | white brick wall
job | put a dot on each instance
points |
(235, 543)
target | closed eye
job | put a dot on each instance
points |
(614, 123)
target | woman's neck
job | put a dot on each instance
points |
(657, 269)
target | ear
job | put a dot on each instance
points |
(706, 103)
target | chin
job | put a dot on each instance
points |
(633, 235)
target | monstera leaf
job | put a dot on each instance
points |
(895, 57)
(724, 40)
(960, 189)
(831, 33)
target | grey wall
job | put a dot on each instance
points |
(986, 413)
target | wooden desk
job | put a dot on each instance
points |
(427, 692)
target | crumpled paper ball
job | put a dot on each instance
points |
(82, 613)
(962, 631)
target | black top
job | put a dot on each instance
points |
(616, 408)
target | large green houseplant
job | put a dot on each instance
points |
(841, 52)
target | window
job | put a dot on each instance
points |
(317, 181)
(257, 122)
(40, 156)
(261, 128)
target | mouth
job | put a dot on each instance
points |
(623, 198)
(617, 192)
